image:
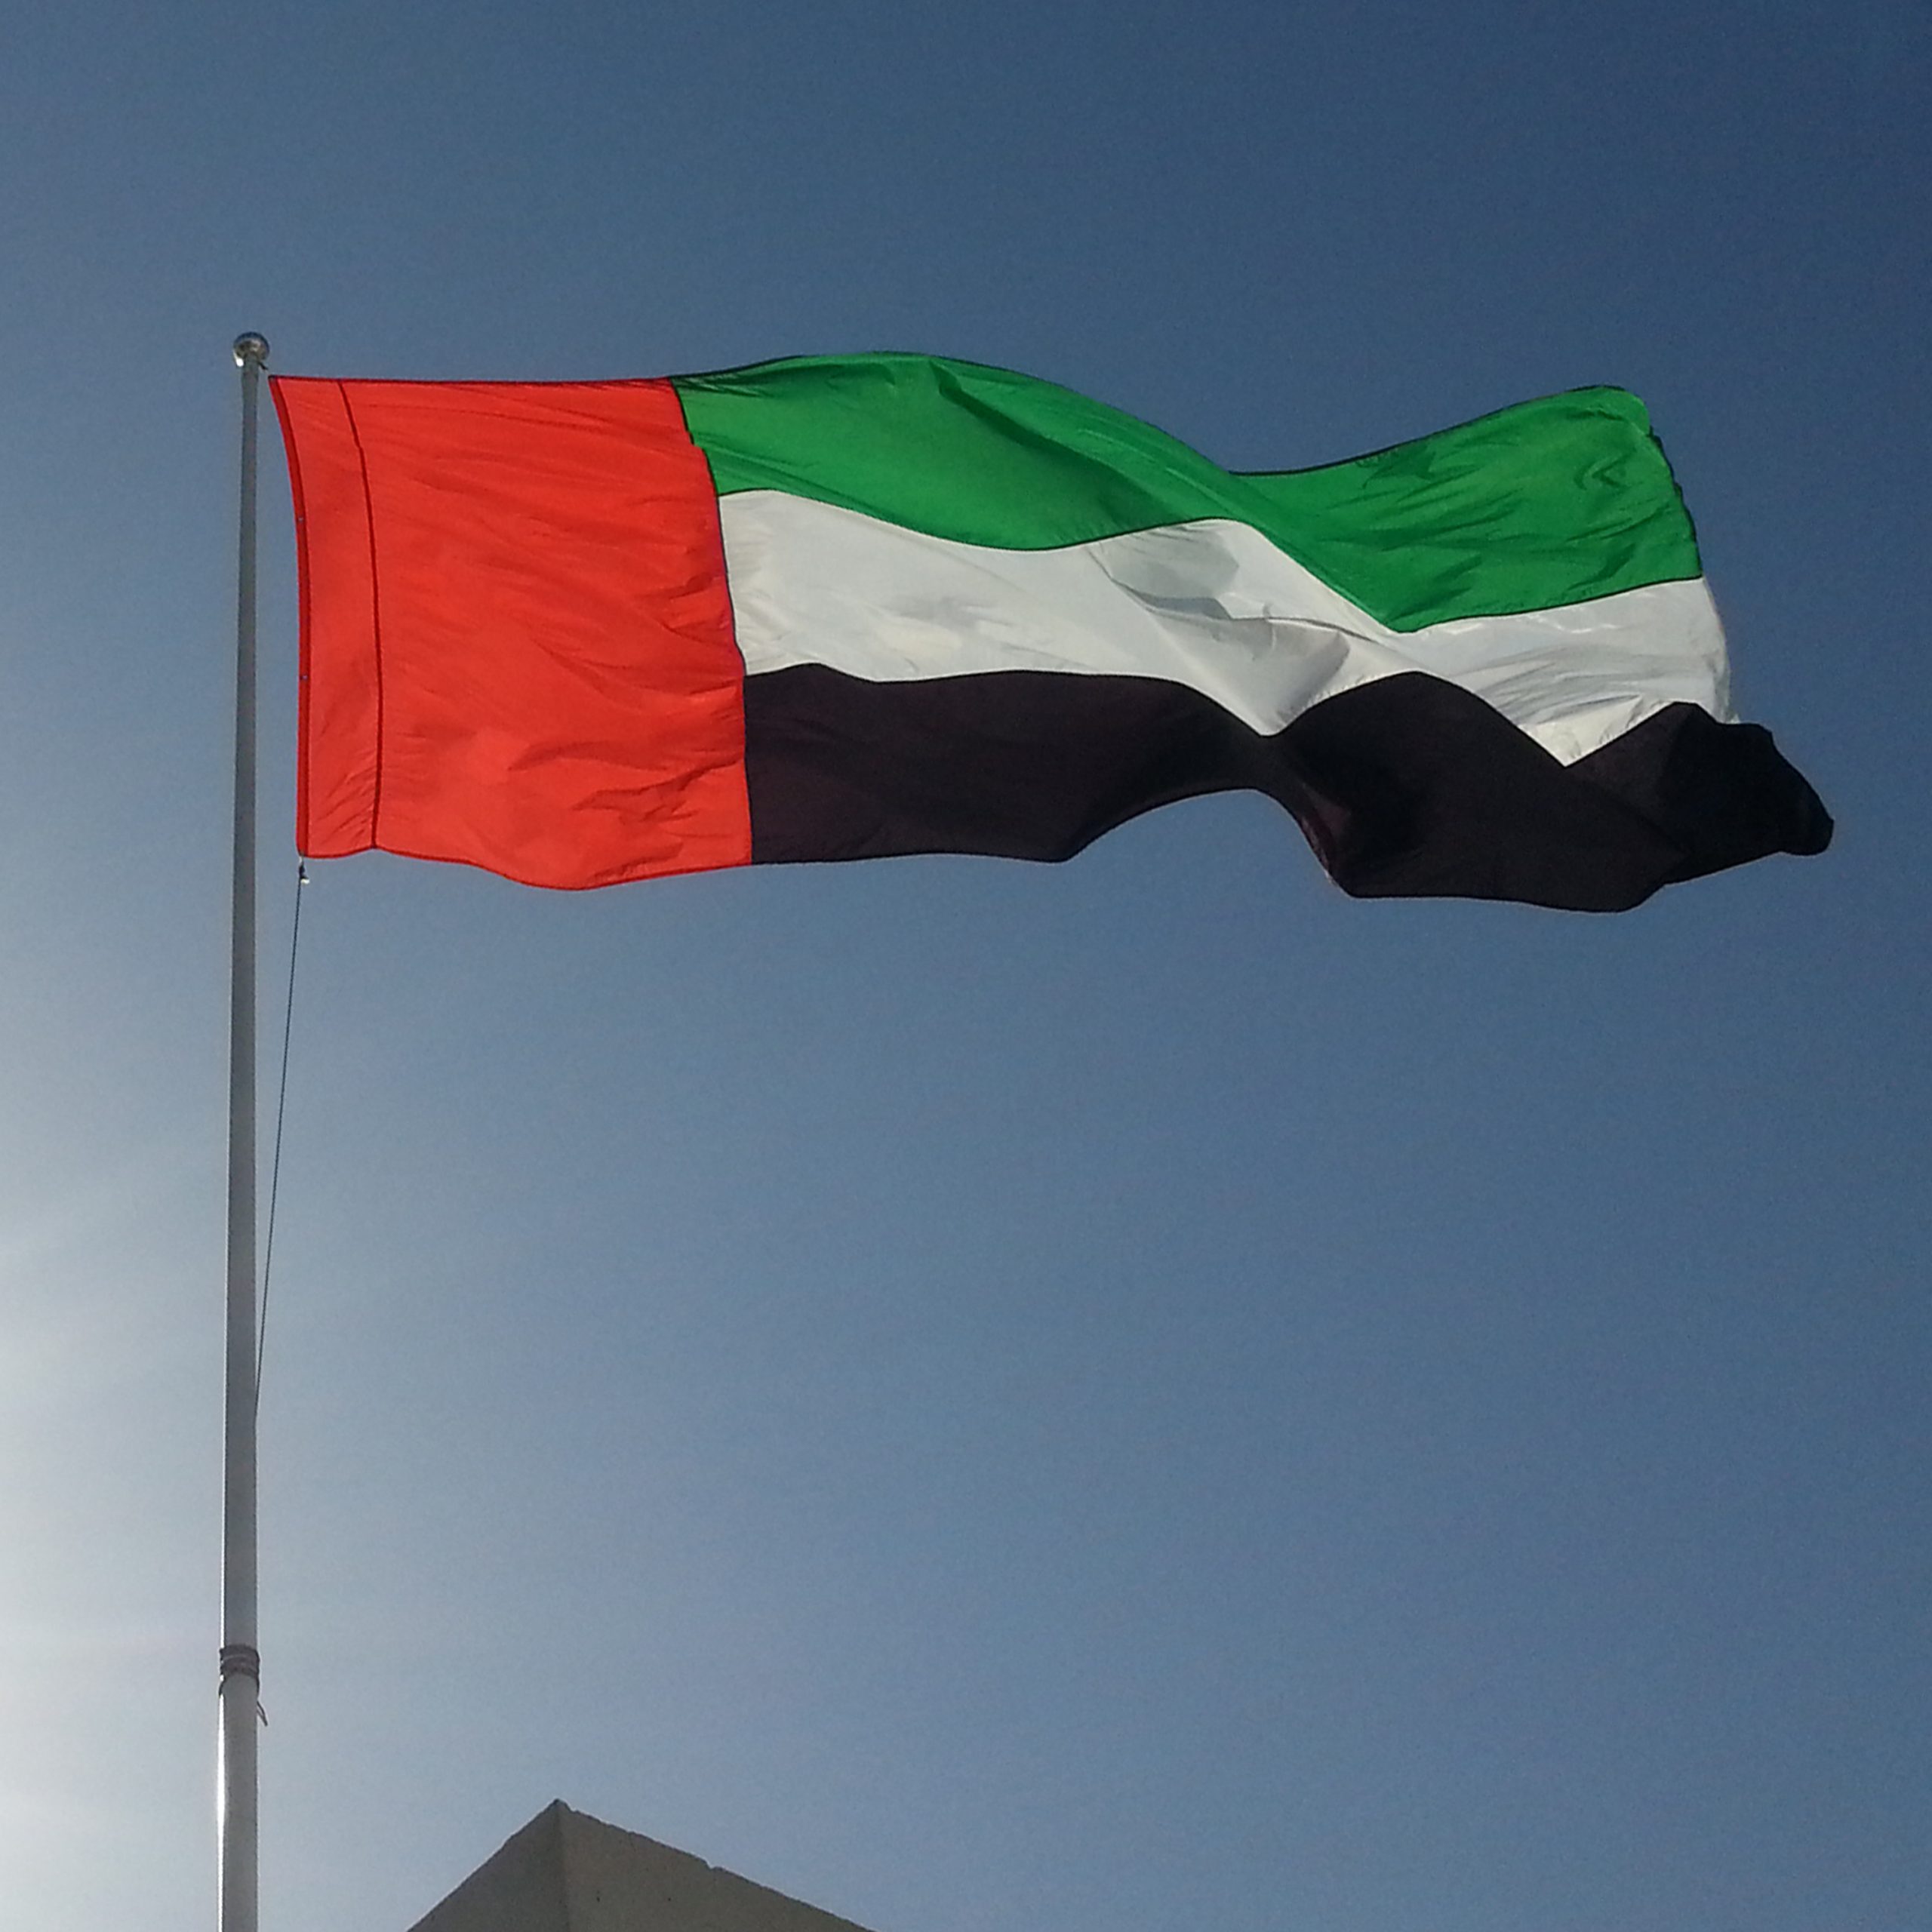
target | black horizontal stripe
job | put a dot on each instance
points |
(1407, 786)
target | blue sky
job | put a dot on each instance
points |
(1137, 1395)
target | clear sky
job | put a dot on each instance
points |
(1119, 1397)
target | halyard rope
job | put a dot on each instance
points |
(281, 1111)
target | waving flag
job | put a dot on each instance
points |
(843, 608)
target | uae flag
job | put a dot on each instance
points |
(845, 606)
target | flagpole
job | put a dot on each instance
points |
(240, 1663)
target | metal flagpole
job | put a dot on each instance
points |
(241, 1661)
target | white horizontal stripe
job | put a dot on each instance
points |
(1212, 604)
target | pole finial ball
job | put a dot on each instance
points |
(250, 348)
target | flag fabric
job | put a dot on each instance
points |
(840, 608)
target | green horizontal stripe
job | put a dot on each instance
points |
(1552, 502)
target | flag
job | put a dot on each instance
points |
(848, 607)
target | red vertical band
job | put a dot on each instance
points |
(517, 647)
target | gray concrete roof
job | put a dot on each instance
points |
(566, 1872)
